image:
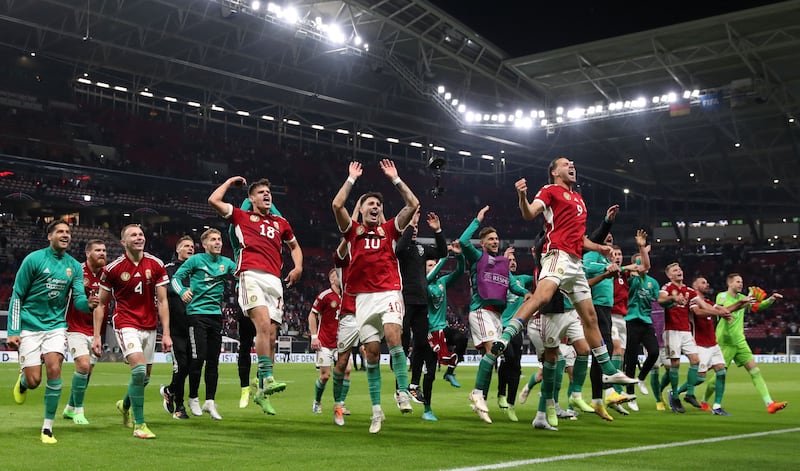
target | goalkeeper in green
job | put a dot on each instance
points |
(730, 336)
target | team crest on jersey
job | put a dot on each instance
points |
(276, 225)
(381, 232)
(148, 274)
(130, 345)
(253, 298)
(341, 345)
(421, 250)
(334, 304)
(567, 196)
(73, 350)
(360, 230)
(85, 281)
(560, 271)
(125, 276)
(649, 284)
(222, 268)
(491, 333)
(22, 358)
(674, 292)
(69, 272)
(254, 218)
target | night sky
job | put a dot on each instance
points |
(522, 27)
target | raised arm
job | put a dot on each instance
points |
(339, 211)
(215, 200)
(440, 250)
(531, 209)
(411, 201)
(599, 234)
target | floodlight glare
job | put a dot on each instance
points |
(440, 89)
(486, 117)
(256, 5)
(448, 96)
(541, 114)
(469, 116)
(695, 93)
(146, 93)
(438, 148)
(193, 103)
(487, 157)
(335, 34)
(493, 117)
(687, 94)
(672, 97)
(560, 110)
(511, 118)
(217, 108)
(357, 40)
(367, 135)
(103, 85)
(393, 140)
(84, 81)
(120, 89)
(464, 153)
(543, 122)
(454, 102)
(501, 118)
(290, 15)
(266, 117)
(559, 119)
(343, 131)
(170, 99)
(656, 99)
(462, 108)
(293, 122)
(416, 144)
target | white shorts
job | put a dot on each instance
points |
(567, 271)
(534, 331)
(569, 354)
(373, 310)
(709, 356)
(552, 328)
(663, 359)
(485, 325)
(259, 288)
(34, 345)
(326, 357)
(81, 345)
(347, 335)
(619, 329)
(677, 342)
(132, 340)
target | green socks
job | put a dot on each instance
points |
(601, 354)
(398, 358)
(484, 376)
(616, 360)
(673, 378)
(761, 386)
(374, 382)
(264, 370)
(319, 388)
(720, 387)
(338, 379)
(79, 383)
(559, 376)
(52, 394)
(579, 373)
(514, 326)
(136, 392)
(691, 380)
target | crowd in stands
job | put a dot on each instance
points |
(305, 176)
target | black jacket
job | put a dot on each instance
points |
(178, 323)
(412, 257)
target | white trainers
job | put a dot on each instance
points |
(403, 402)
(633, 405)
(619, 408)
(479, 405)
(316, 408)
(376, 421)
(643, 388)
(523, 395)
(210, 407)
(338, 414)
(194, 406)
(542, 424)
(619, 378)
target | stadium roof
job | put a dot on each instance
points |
(744, 67)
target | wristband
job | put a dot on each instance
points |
(351, 180)
(396, 181)
(313, 337)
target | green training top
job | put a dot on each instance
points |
(642, 291)
(471, 256)
(207, 276)
(513, 300)
(437, 292)
(731, 333)
(42, 289)
(595, 264)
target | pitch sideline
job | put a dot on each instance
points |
(579, 456)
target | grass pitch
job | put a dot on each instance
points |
(297, 439)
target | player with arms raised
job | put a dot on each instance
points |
(260, 235)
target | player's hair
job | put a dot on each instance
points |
(262, 182)
(126, 227)
(91, 243)
(486, 231)
(616, 247)
(550, 178)
(635, 256)
(205, 235)
(184, 238)
(372, 194)
(731, 277)
(666, 269)
(332, 270)
(52, 226)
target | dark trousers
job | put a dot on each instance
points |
(180, 367)
(415, 330)
(247, 335)
(205, 341)
(596, 373)
(640, 333)
(510, 369)
(456, 342)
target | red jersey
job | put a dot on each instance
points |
(677, 317)
(260, 238)
(348, 305)
(620, 307)
(327, 306)
(134, 289)
(704, 328)
(79, 321)
(564, 219)
(373, 262)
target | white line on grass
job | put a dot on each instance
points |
(580, 456)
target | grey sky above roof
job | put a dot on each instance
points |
(522, 27)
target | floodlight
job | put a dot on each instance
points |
(120, 89)
(438, 148)
(103, 85)
(343, 131)
(266, 117)
(217, 108)
(146, 93)
(416, 144)
(464, 153)
(448, 96)
(462, 108)
(317, 127)
(84, 81)
(290, 15)
(293, 122)
(560, 110)
(170, 99)
(256, 5)
(243, 113)
(367, 135)
(393, 140)
(440, 89)
(193, 103)
(487, 157)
